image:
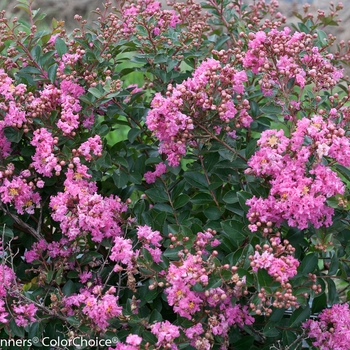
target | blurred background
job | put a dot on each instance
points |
(66, 9)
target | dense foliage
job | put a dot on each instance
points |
(174, 179)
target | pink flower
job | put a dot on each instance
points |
(150, 177)
(165, 333)
(85, 276)
(18, 193)
(97, 307)
(25, 314)
(7, 278)
(70, 104)
(92, 146)
(14, 115)
(133, 339)
(332, 330)
(3, 313)
(194, 331)
(145, 232)
(122, 251)
(5, 144)
(44, 160)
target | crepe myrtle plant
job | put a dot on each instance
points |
(174, 178)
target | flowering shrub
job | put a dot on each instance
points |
(175, 178)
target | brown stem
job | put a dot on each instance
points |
(220, 141)
(20, 222)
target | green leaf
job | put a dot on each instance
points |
(96, 92)
(29, 70)
(221, 41)
(212, 213)
(157, 195)
(69, 288)
(343, 171)
(244, 343)
(210, 160)
(120, 178)
(49, 276)
(178, 189)
(214, 282)
(196, 179)
(73, 321)
(319, 303)
(36, 53)
(299, 316)
(155, 317)
(254, 108)
(242, 198)
(90, 256)
(265, 280)
(308, 264)
(132, 134)
(23, 7)
(251, 148)
(202, 199)
(280, 126)
(334, 265)
(72, 274)
(322, 37)
(333, 296)
(61, 47)
(181, 200)
(303, 28)
(13, 135)
(270, 329)
(172, 253)
(234, 230)
(52, 71)
(7, 232)
(288, 338)
(18, 331)
(230, 197)
(277, 314)
(35, 329)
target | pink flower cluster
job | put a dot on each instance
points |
(293, 57)
(163, 19)
(211, 88)
(5, 144)
(166, 333)
(44, 160)
(332, 330)
(80, 210)
(151, 241)
(132, 341)
(150, 176)
(185, 301)
(195, 270)
(24, 314)
(42, 250)
(47, 101)
(20, 194)
(68, 60)
(97, 306)
(299, 188)
(12, 110)
(7, 279)
(70, 92)
(14, 115)
(92, 146)
(281, 268)
(122, 252)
